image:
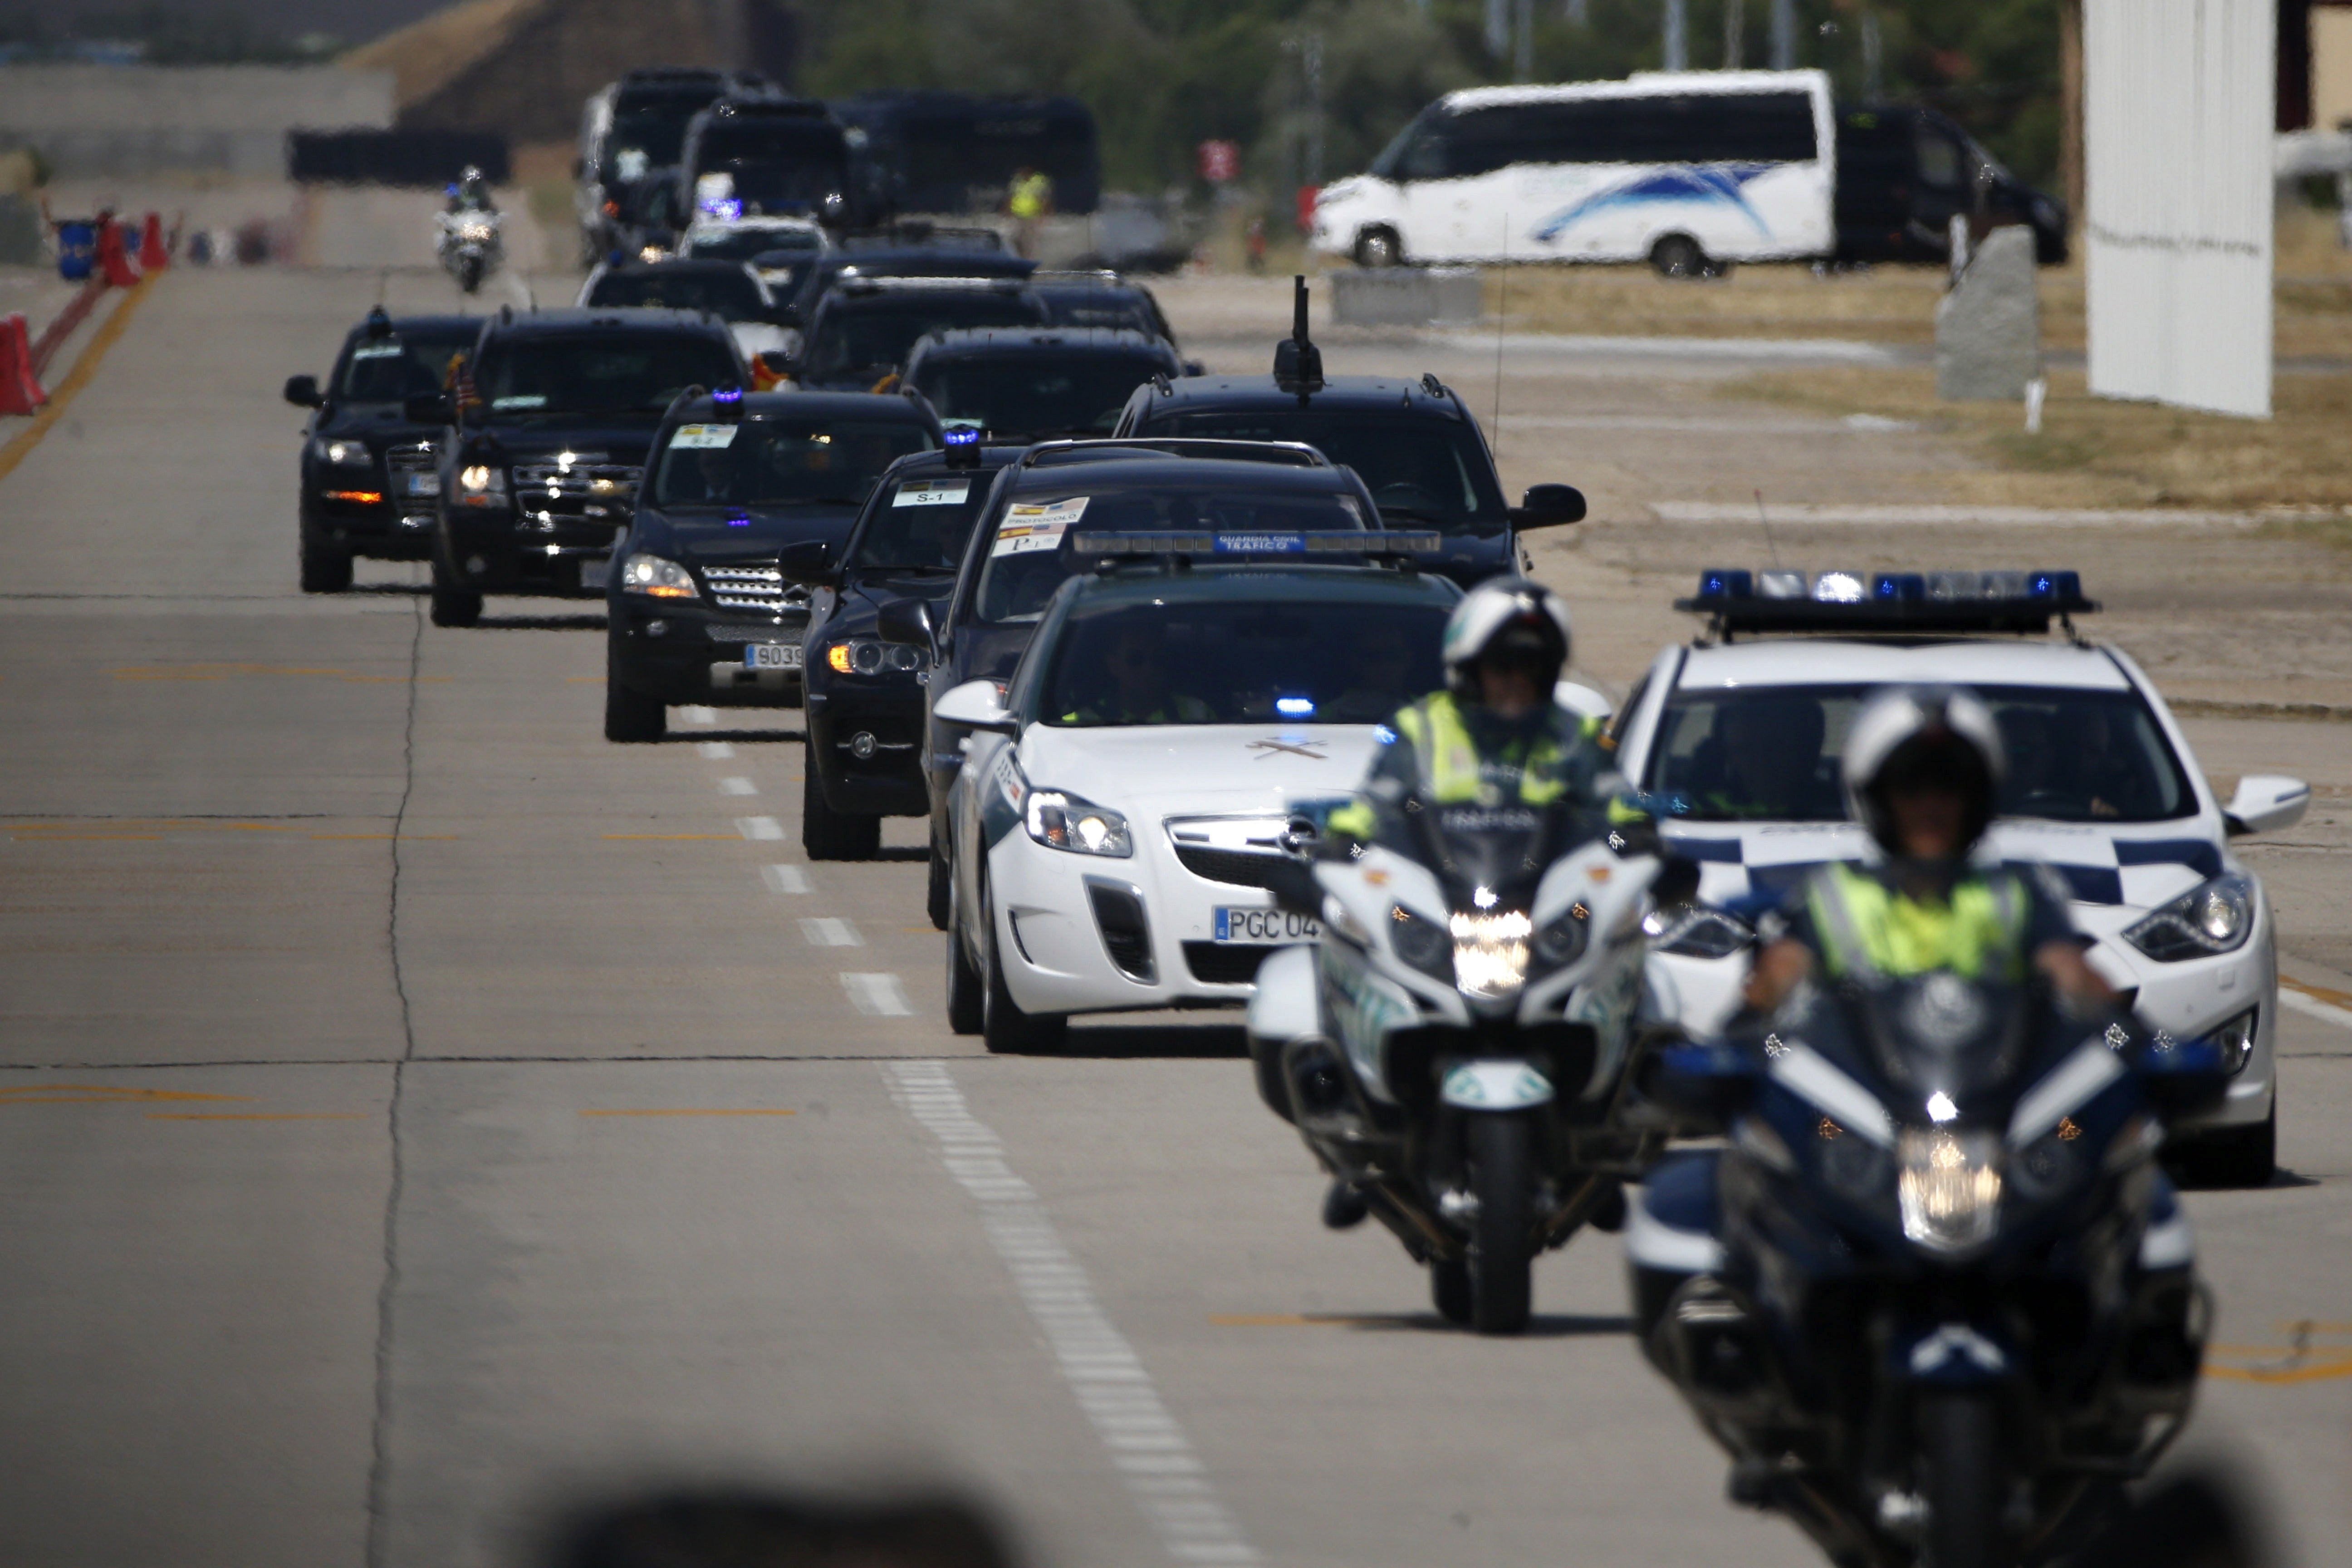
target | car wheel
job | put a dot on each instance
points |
(939, 896)
(967, 1013)
(631, 716)
(453, 606)
(1379, 247)
(1679, 256)
(1004, 1026)
(325, 568)
(2239, 1157)
(827, 834)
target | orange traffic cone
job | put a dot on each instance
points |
(113, 258)
(20, 392)
(154, 254)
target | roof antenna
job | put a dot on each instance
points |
(1298, 362)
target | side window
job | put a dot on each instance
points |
(1939, 160)
(1427, 156)
(1485, 140)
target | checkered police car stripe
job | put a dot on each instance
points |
(2140, 872)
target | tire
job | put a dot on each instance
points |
(453, 606)
(1379, 247)
(1960, 1457)
(1266, 1063)
(967, 1013)
(631, 717)
(325, 568)
(1449, 1289)
(939, 895)
(2239, 1157)
(1004, 1026)
(1501, 1157)
(827, 834)
(1679, 256)
(469, 273)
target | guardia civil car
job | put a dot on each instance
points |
(1175, 729)
(1738, 740)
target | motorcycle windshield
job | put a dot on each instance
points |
(1941, 1045)
(1490, 857)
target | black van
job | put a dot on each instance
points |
(1902, 175)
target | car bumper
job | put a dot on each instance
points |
(489, 555)
(683, 653)
(382, 530)
(866, 744)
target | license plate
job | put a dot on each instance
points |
(772, 656)
(425, 484)
(1265, 928)
(595, 570)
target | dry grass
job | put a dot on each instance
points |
(2098, 452)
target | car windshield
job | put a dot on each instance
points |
(778, 165)
(1771, 753)
(749, 242)
(876, 334)
(920, 523)
(387, 369)
(1030, 557)
(1098, 307)
(654, 135)
(1032, 393)
(1422, 470)
(1193, 662)
(782, 461)
(729, 292)
(637, 372)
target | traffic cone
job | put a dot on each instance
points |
(113, 258)
(19, 391)
(154, 254)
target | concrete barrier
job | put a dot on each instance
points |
(1406, 296)
(104, 121)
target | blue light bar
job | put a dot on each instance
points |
(961, 436)
(728, 395)
(1886, 602)
(1294, 707)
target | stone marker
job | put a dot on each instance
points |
(1405, 295)
(1989, 323)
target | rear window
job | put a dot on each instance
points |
(877, 334)
(1035, 395)
(603, 372)
(1772, 754)
(1432, 472)
(782, 461)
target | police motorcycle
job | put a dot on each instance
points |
(1453, 1049)
(471, 246)
(1933, 1297)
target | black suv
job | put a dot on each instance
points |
(1414, 442)
(545, 440)
(864, 729)
(697, 609)
(368, 471)
(860, 333)
(1033, 384)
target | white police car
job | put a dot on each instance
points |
(1737, 738)
(1176, 727)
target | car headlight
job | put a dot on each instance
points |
(1949, 1187)
(1490, 954)
(1422, 942)
(1563, 942)
(481, 484)
(2213, 917)
(658, 578)
(1060, 821)
(343, 453)
(864, 655)
(1697, 932)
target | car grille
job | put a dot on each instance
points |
(1241, 851)
(761, 589)
(1213, 964)
(587, 491)
(1243, 868)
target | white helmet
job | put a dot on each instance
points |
(1918, 734)
(1511, 617)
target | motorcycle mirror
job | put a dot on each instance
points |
(2182, 1076)
(1294, 887)
(302, 391)
(427, 409)
(1677, 881)
(1706, 1084)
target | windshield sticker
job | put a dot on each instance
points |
(1029, 526)
(701, 438)
(525, 400)
(932, 492)
(390, 349)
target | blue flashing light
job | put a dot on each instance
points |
(1384, 736)
(1839, 588)
(1717, 584)
(1897, 586)
(961, 436)
(727, 395)
(739, 522)
(2065, 587)
(1294, 707)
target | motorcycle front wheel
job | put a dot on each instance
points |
(1959, 1452)
(1502, 1178)
(469, 273)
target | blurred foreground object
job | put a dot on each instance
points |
(1989, 323)
(726, 1530)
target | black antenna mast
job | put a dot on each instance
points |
(1298, 362)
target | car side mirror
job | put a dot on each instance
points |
(1548, 506)
(302, 391)
(908, 621)
(427, 409)
(1583, 701)
(976, 706)
(1702, 1085)
(809, 563)
(2265, 803)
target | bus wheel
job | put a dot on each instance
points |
(1379, 247)
(1679, 256)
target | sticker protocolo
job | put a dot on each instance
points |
(389, 349)
(933, 493)
(693, 437)
(1029, 527)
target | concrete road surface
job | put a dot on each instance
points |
(416, 1113)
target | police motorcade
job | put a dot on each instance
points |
(369, 477)
(1455, 1050)
(698, 610)
(858, 337)
(1738, 737)
(731, 290)
(865, 695)
(1020, 552)
(1934, 1298)
(544, 440)
(1176, 720)
(471, 245)
(1414, 442)
(1030, 383)
(631, 133)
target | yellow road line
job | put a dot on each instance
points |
(2318, 992)
(404, 837)
(2318, 1372)
(84, 371)
(85, 837)
(257, 1116)
(690, 1111)
(99, 1094)
(675, 837)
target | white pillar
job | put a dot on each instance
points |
(1784, 35)
(1677, 39)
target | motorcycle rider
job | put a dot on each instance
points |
(471, 194)
(1922, 767)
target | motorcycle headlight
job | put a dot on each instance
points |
(2213, 917)
(481, 484)
(1948, 1187)
(343, 453)
(1562, 942)
(1697, 932)
(1421, 942)
(657, 578)
(1490, 954)
(1061, 821)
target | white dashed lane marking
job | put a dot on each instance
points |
(877, 995)
(1154, 1458)
(700, 715)
(714, 751)
(763, 829)
(784, 878)
(737, 786)
(2294, 996)
(830, 930)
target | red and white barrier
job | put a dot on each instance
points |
(20, 390)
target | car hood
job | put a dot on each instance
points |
(726, 534)
(1179, 769)
(601, 441)
(863, 601)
